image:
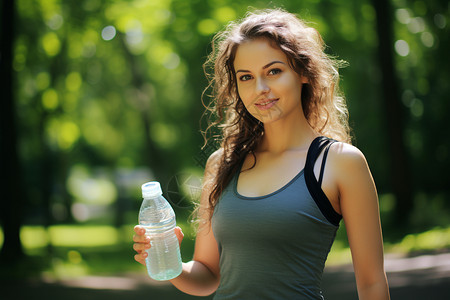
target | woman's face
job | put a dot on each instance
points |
(268, 86)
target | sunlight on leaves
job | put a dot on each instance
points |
(164, 134)
(69, 134)
(51, 44)
(42, 80)
(50, 99)
(224, 14)
(49, 8)
(63, 133)
(73, 81)
(207, 27)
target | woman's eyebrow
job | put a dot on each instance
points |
(265, 67)
(274, 62)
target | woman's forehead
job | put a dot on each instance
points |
(257, 53)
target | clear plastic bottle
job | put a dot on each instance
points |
(158, 218)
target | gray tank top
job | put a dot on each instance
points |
(275, 246)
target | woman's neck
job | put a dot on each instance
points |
(283, 135)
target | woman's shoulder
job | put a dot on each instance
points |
(346, 150)
(350, 171)
(213, 161)
(215, 157)
(347, 159)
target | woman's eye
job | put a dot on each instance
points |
(245, 77)
(274, 71)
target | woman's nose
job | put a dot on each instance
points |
(261, 86)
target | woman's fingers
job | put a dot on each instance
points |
(179, 233)
(139, 247)
(140, 258)
(140, 236)
(139, 230)
(141, 239)
(142, 242)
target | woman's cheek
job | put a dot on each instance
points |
(245, 98)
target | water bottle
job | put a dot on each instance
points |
(158, 218)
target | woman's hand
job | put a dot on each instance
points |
(142, 242)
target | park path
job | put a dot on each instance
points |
(420, 277)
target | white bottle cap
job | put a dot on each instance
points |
(151, 189)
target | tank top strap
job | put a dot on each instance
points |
(324, 159)
(314, 186)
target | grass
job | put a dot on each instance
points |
(65, 251)
(431, 240)
(69, 236)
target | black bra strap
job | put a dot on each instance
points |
(314, 187)
(322, 167)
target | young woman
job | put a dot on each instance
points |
(285, 175)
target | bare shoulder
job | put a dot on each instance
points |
(212, 164)
(352, 174)
(347, 157)
(208, 183)
(215, 157)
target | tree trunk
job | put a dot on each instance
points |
(10, 185)
(400, 174)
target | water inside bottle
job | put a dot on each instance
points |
(158, 218)
(164, 260)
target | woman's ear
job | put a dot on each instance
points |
(304, 79)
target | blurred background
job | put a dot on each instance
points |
(99, 97)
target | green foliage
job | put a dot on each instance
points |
(108, 96)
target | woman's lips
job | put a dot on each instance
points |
(266, 104)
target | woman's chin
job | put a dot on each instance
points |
(267, 116)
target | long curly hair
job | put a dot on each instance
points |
(323, 105)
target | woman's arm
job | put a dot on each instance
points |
(199, 277)
(360, 211)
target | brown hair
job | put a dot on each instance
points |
(323, 106)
